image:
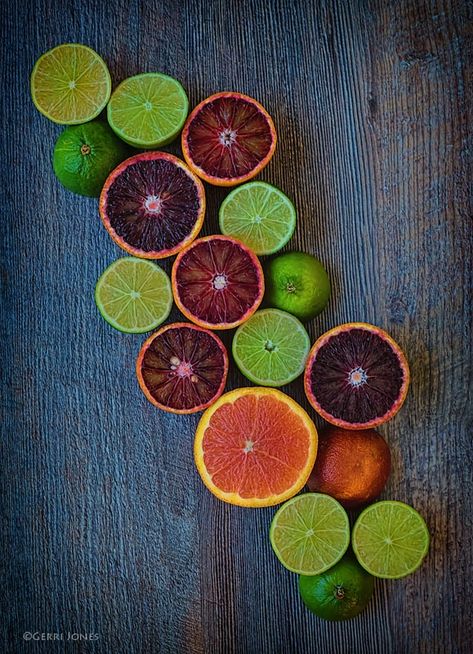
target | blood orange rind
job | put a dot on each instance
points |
(225, 139)
(402, 362)
(293, 413)
(211, 282)
(196, 222)
(174, 364)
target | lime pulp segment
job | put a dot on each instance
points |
(70, 84)
(148, 110)
(134, 295)
(259, 215)
(310, 533)
(271, 348)
(390, 539)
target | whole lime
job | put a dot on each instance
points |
(339, 593)
(298, 283)
(84, 155)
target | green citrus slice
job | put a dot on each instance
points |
(260, 215)
(310, 533)
(271, 347)
(390, 539)
(70, 84)
(148, 110)
(134, 295)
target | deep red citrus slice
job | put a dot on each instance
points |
(152, 205)
(356, 376)
(255, 447)
(217, 282)
(228, 139)
(182, 368)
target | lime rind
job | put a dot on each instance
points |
(148, 110)
(271, 348)
(59, 83)
(310, 533)
(390, 539)
(260, 215)
(134, 295)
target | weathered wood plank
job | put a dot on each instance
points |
(106, 527)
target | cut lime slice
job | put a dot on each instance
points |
(148, 110)
(271, 348)
(70, 84)
(260, 215)
(310, 533)
(134, 295)
(390, 539)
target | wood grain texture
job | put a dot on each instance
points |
(105, 525)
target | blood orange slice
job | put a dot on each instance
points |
(255, 447)
(228, 139)
(182, 368)
(152, 205)
(356, 376)
(217, 282)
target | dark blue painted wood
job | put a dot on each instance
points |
(105, 526)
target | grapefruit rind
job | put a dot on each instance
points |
(230, 181)
(336, 506)
(379, 420)
(203, 323)
(153, 254)
(144, 388)
(235, 498)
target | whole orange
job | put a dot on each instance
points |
(352, 466)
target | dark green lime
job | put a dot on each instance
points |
(298, 283)
(340, 592)
(84, 155)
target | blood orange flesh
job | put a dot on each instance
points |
(228, 139)
(182, 368)
(356, 376)
(152, 205)
(217, 282)
(255, 447)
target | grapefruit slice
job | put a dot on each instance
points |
(356, 376)
(228, 139)
(182, 368)
(217, 282)
(255, 447)
(152, 205)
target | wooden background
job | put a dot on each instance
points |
(105, 525)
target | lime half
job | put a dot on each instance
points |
(134, 295)
(271, 347)
(390, 539)
(70, 84)
(259, 215)
(310, 533)
(148, 110)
